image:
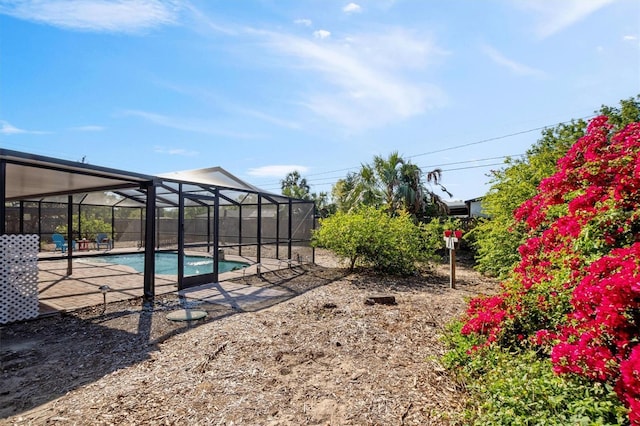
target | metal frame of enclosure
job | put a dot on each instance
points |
(208, 211)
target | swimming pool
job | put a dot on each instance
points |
(167, 263)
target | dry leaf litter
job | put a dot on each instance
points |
(319, 356)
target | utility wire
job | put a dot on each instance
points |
(332, 179)
(472, 167)
(451, 148)
(471, 161)
(499, 137)
(466, 144)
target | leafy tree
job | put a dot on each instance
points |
(324, 206)
(295, 186)
(497, 239)
(411, 191)
(90, 224)
(423, 203)
(127, 212)
(388, 174)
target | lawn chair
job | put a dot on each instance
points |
(103, 240)
(61, 244)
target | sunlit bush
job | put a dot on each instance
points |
(369, 237)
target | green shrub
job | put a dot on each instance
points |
(369, 237)
(458, 356)
(432, 233)
(91, 226)
(521, 389)
(496, 240)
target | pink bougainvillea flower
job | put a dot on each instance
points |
(577, 285)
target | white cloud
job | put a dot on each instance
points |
(95, 15)
(89, 128)
(276, 170)
(514, 66)
(7, 128)
(554, 16)
(362, 84)
(305, 22)
(395, 48)
(352, 8)
(630, 38)
(321, 34)
(189, 124)
(175, 151)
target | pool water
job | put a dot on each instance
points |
(167, 263)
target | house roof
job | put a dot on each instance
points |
(212, 176)
(474, 200)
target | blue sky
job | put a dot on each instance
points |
(264, 87)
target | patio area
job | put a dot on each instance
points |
(61, 293)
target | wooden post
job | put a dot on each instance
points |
(451, 245)
(452, 268)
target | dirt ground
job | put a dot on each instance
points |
(318, 356)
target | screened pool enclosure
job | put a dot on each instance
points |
(207, 211)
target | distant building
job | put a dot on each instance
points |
(457, 208)
(474, 207)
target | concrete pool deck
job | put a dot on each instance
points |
(58, 292)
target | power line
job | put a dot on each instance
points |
(451, 148)
(472, 167)
(499, 137)
(333, 181)
(471, 161)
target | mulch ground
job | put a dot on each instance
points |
(320, 355)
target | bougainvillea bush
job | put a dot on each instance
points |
(574, 297)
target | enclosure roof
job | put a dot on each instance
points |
(30, 176)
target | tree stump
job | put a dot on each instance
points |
(382, 300)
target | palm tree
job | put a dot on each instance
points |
(434, 177)
(411, 190)
(394, 183)
(357, 189)
(389, 175)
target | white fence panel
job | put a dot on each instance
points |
(18, 277)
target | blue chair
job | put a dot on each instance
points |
(61, 244)
(103, 240)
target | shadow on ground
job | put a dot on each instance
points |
(43, 359)
(435, 279)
